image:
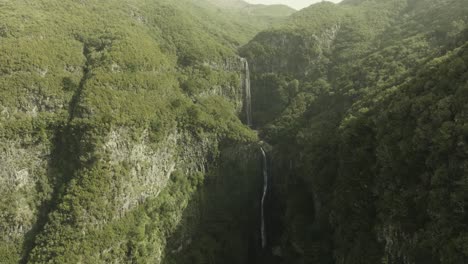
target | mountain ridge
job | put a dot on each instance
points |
(123, 135)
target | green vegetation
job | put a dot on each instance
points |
(365, 103)
(100, 102)
(121, 139)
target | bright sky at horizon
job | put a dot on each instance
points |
(297, 4)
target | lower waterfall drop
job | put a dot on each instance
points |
(265, 190)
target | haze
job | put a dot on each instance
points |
(297, 4)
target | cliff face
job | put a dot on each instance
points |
(25, 187)
(109, 134)
(222, 221)
(131, 199)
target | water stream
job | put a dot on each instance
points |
(265, 190)
(248, 95)
(248, 115)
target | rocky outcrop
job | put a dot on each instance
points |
(291, 52)
(24, 185)
(150, 168)
(234, 68)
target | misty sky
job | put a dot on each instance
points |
(298, 4)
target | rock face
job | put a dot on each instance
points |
(136, 173)
(291, 49)
(120, 172)
(238, 93)
(221, 223)
(24, 185)
(149, 169)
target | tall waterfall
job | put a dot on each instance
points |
(265, 190)
(248, 96)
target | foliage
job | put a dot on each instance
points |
(376, 133)
(75, 73)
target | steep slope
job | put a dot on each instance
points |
(365, 103)
(111, 115)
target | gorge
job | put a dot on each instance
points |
(214, 131)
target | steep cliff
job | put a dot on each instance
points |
(364, 105)
(113, 116)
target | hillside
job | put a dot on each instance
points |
(240, 20)
(365, 105)
(103, 104)
(125, 136)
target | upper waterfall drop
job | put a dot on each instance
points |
(265, 191)
(248, 96)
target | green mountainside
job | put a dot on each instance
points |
(366, 105)
(101, 102)
(123, 136)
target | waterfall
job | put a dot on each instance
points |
(248, 96)
(265, 190)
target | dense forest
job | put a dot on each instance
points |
(125, 136)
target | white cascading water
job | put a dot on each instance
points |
(265, 190)
(248, 96)
(248, 114)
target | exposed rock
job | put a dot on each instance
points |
(149, 169)
(24, 186)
